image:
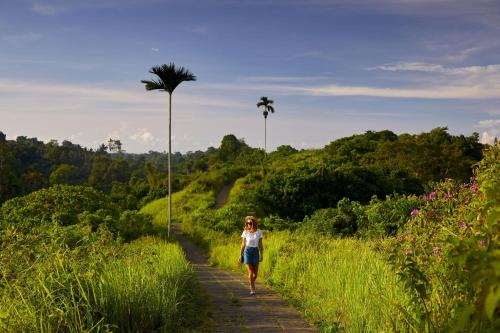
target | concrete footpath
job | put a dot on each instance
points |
(233, 309)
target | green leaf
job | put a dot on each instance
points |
(491, 301)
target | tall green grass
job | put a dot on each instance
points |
(44, 276)
(54, 301)
(149, 290)
(184, 202)
(144, 286)
(339, 284)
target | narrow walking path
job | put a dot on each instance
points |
(223, 195)
(233, 309)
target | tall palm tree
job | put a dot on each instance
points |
(266, 103)
(169, 77)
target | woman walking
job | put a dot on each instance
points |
(251, 250)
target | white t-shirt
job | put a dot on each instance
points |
(252, 237)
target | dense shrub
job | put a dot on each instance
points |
(339, 221)
(132, 225)
(303, 190)
(275, 222)
(64, 174)
(60, 204)
(449, 255)
(377, 219)
(386, 217)
(68, 205)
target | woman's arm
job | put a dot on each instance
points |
(261, 250)
(242, 247)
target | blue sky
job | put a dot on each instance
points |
(71, 69)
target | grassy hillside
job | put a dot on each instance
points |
(71, 261)
(366, 234)
(395, 263)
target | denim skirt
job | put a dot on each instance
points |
(251, 255)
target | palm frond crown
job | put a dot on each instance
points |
(169, 77)
(267, 104)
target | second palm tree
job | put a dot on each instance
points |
(266, 103)
(169, 77)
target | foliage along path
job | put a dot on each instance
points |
(233, 309)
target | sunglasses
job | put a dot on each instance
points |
(249, 222)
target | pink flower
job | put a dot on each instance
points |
(474, 188)
(462, 224)
(482, 243)
(432, 195)
(414, 212)
(447, 195)
(436, 250)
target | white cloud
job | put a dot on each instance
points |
(154, 49)
(489, 89)
(493, 112)
(46, 9)
(488, 137)
(471, 82)
(491, 130)
(284, 78)
(45, 62)
(54, 7)
(431, 92)
(435, 68)
(198, 30)
(464, 54)
(489, 123)
(137, 117)
(80, 92)
(118, 133)
(142, 135)
(313, 55)
(55, 93)
(75, 136)
(25, 37)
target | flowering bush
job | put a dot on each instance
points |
(448, 256)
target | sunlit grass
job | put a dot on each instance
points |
(148, 290)
(147, 287)
(339, 284)
(183, 203)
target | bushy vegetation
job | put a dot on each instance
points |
(408, 238)
(449, 254)
(65, 266)
(68, 205)
(27, 165)
(366, 234)
(350, 218)
(59, 204)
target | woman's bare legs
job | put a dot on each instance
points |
(252, 275)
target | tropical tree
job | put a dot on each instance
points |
(169, 77)
(266, 103)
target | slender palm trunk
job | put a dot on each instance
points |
(265, 137)
(169, 163)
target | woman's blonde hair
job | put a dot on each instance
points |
(253, 221)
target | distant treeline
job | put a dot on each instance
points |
(28, 164)
(373, 163)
